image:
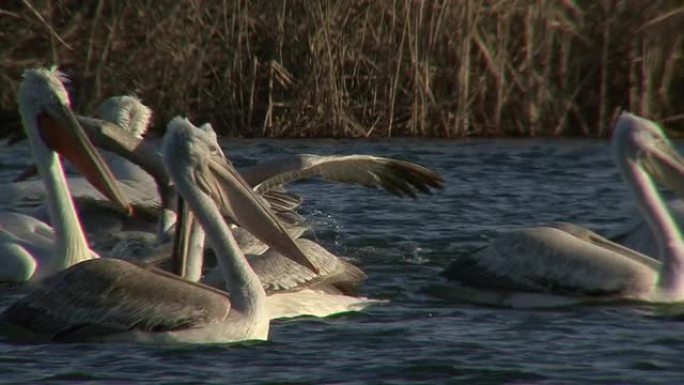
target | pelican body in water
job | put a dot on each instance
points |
(293, 290)
(31, 249)
(116, 300)
(398, 177)
(565, 264)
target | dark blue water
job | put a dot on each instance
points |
(421, 336)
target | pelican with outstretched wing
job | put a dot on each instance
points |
(115, 300)
(292, 289)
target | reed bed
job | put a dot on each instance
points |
(360, 68)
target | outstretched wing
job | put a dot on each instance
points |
(396, 176)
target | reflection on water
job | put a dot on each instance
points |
(419, 337)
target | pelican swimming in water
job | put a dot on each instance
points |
(637, 234)
(565, 264)
(398, 177)
(293, 290)
(97, 216)
(401, 178)
(31, 249)
(115, 300)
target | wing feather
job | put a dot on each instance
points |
(239, 202)
(546, 259)
(396, 176)
(278, 273)
(110, 295)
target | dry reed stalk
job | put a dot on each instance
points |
(360, 68)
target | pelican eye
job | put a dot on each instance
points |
(213, 149)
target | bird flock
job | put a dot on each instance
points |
(173, 244)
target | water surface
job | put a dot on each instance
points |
(420, 336)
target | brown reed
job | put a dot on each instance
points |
(359, 68)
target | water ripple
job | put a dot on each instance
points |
(422, 336)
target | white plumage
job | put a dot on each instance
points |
(115, 300)
(31, 249)
(575, 264)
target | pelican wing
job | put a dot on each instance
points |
(28, 193)
(32, 235)
(586, 235)
(396, 176)
(281, 200)
(547, 259)
(108, 296)
(313, 303)
(227, 187)
(278, 273)
(251, 245)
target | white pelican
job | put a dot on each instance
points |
(129, 113)
(31, 249)
(398, 177)
(572, 264)
(139, 187)
(293, 291)
(115, 300)
(636, 233)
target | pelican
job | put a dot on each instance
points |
(636, 233)
(96, 214)
(401, 178)
(568, 264)
(31, 249)
(398, 177)
(129, 113)
(293, 291)
(115, 300)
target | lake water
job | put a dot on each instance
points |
(421, 336)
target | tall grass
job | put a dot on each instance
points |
(361, 67)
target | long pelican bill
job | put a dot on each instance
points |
(181, 240)
(667, 166)
(60, 130)
(242, 205)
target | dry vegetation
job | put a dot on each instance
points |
(360, 67)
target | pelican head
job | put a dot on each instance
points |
(42, 90)
(211, 137)
(51, 126)
(127, 112)
(196, 159)
(643, 143)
